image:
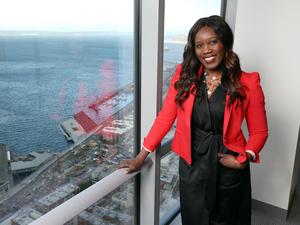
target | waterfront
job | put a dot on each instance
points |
(45, 81)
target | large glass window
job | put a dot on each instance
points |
(66, 115)
(180, 15)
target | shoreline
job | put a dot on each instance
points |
(175, 42)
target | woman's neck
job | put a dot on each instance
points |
(215, 73)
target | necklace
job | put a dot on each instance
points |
(212, 82)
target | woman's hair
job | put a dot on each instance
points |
(191, 64)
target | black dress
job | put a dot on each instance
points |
(210, 193)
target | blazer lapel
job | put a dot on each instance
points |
(189, 102)
(191, 98)
(189, 105)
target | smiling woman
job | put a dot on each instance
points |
(176, 30)
(209, 97)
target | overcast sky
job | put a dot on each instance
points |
(94, 15)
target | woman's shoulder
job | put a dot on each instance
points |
(249, 78)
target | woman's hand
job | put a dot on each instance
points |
(230, 161)
(132, 165)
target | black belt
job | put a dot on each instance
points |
(208, 143)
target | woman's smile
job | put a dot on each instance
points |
(209, 49)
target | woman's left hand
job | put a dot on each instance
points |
(230, 161)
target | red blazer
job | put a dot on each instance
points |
(252, 109)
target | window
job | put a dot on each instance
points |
(67, 99)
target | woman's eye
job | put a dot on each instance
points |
(199, 45)
(213, 42)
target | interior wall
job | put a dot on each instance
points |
(267, 38)
(295, 185)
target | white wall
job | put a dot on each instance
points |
(267, 36)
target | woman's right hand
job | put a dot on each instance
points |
(134, 165)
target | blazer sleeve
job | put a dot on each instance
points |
(165, 118)
(256, 117)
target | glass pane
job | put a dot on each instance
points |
(169, 183)
(115, 208)
(177, 26)
(66, 83)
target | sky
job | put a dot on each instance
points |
(94, 15)
(180, 15)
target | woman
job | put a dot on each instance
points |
(210, 96)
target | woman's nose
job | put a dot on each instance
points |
(206, 49)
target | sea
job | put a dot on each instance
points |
(45, 80)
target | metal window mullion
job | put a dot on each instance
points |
(228, 11)
(137, 101)
(160, 59)
(223, 8)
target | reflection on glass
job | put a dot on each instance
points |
(66, 111)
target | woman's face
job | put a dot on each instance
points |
(209, 49)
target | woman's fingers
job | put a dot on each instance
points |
(230, 161)
(131, 165)
(123, 164)
(130, 170)
(221, 155)
(126, 164)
